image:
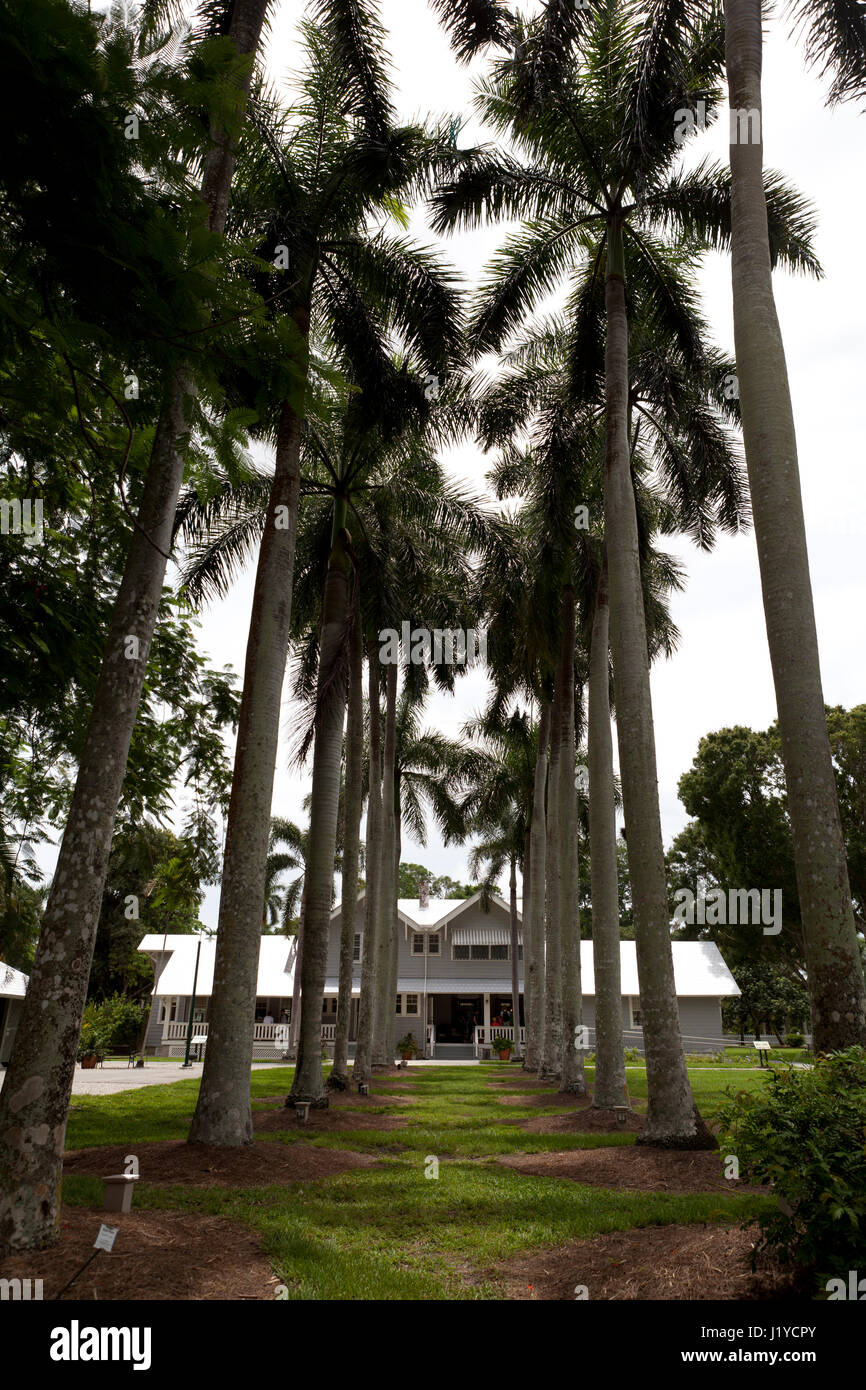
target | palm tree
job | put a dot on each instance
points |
(593, 170)
(311, 184)
(281, 901)
(836, 38)
(41, 1069)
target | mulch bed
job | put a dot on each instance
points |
(638, 1169)
(207, 1165)
(157, 1255)
(282, 1120)
(655, 1262)
(584, 1120)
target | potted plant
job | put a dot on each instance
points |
(91, 1047)
(408, 1047)
(502, 1046)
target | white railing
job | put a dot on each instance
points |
(329, 1032)
(176, 1032)
(483, 1035)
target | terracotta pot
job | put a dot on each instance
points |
(505, 1056)
(89, 1062)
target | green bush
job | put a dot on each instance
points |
(794, 1040)
(633, 1056)
(806, 1134)
(113, 1025)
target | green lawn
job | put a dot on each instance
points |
(389, 1231)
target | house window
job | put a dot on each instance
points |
(499, 953)
(411, 1004)
(399, 1003)
(635, 1011)
(433, 945)
(356, 953)
(417, 943)
(459, 952)
(479, 953)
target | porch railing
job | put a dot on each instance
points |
(268, 1037)
(483, 1035)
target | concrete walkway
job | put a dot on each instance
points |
(117, 1076)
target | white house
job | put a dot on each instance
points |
(453, 983)
(13, 987)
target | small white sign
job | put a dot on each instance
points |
(106, 1238)
(762, 1046)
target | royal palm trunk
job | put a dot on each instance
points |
(373, 874)
(609, 1088)
(534, 949)
(324, 812)
(38, 1082)
(222, 1114)
(515, 957)
(550, 1054)
(385, 1014)
(835, 972)
(573, 1078)
(672, 1118)
(353, 805)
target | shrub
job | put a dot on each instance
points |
(794, 1040)
(806, 1133)
(500, 1043)
(113, 1025)
(632, 1055)
(408, 1046)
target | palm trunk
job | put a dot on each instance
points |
(672, 1116)
(385, 1018)
(573, 1076)
(38, 1082)
(295, 1028)
(609, 1088)
(534, 947)
(393, 959)
(550, 1055)
(835, 971)
(339, 1077)
(515, 967)
(324, 812)
(528, 984)
(373, 873)
(222, 1114)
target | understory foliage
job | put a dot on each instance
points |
(806, 1134)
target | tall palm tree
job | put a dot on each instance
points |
(836, 38)
(35, 1100)
(314, 178)
(595, 194)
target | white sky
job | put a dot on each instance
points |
(721, 673)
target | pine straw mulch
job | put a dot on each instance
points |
(653, 1262)
(157, 1255)
(207, 1165)
(633, 1168)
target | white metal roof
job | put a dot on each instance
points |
(276, 965)
(13, 985)
(699, 970)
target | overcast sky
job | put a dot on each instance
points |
(721, 674)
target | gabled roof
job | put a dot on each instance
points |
(13, 984)
(436, 914)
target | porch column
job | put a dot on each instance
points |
(487, 1018)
